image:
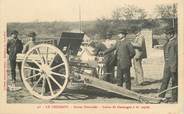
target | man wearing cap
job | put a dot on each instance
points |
(14, 46)
(124, 54)
(30, 43)
(171, 64)
(140, 53)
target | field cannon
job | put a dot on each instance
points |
(46, 69)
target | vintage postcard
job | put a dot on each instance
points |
(91, 56)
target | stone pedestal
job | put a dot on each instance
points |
(147, 33)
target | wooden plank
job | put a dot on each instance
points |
(20, 57)
(95, 82)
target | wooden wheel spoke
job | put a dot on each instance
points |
(59, 85)
(57, 66)
(40, 55)
(43, 85)
(35, 75)
(52, 60)
(50, 87)
(57, 74)
(46, 58)
(36, 63)
(37, 82)
(32, 68)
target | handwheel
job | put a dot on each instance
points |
(45, 71)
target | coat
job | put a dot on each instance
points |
(140, 47)
(124, 53)
(171, 54)
(100, 47)
(14, 46)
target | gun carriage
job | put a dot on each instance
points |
(47, 69)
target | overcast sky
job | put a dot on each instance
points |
(67, 10)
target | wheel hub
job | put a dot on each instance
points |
(45, 69)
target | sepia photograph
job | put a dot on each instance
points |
(91, 52)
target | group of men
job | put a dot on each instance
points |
(121, 55)
(15, 46)
(123, 52)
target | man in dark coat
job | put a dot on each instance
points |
(124, 54)
(14, 46)
(110, 60)
(171, 64)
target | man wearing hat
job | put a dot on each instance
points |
(171, 64)
(14, 46)
(124, 54)
(109, 58)
(108, 42)
(140, 53)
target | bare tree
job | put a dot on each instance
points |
(166, 11)
(116, 14)
(140, 13)
(129, 12)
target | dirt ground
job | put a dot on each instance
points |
(153, 70)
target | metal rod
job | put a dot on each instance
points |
(80, 19)
(175, 87)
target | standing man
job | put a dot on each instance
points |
(14, 46)
(110, 60)
(30, 44)
(124, 54)
(171, 64)
(140, 53)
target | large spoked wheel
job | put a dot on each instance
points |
(45, 71)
